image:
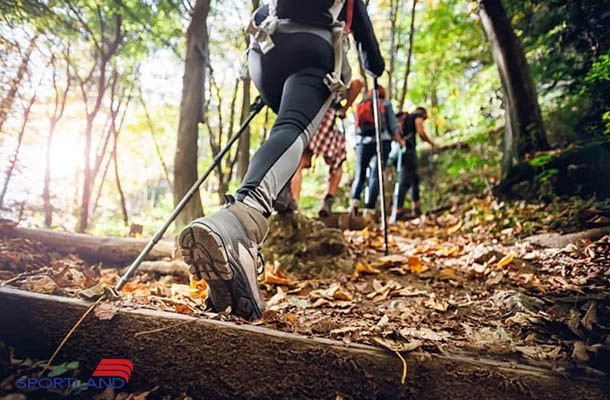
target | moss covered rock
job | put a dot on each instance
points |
(304, 246)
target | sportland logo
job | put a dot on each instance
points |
(110, 373)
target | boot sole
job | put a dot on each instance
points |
(205, 251)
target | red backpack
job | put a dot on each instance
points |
(365, 120)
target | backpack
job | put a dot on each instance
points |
(365, 119)
(407, 128)
(316, 12)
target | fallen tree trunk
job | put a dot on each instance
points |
(219, 360)
(559, 241)
(93, 248)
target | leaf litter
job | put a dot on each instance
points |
(464, 280)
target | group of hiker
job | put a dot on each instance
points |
(298, 64)
(329, 143)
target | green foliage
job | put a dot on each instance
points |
(567, 44)
(541, 160)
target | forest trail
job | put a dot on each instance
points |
(474, 280)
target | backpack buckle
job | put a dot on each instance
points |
(334, 83)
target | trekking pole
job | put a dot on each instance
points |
(397, 186)
(255, 108)
(380, 162)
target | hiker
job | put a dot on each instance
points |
(411, 127)
(366, 150)
(291, 62)
(329, 143)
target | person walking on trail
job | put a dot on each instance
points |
(366, 150)
(292, 64)
(329, 143)
(412, 126)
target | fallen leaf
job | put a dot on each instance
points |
(277, 298)
(455, 228)
(94, 292)
(105, 311)
(41, 284)
(505, 260)
(274, 276)
(580, 352)
(590, 317)
(495, 278)
(393, 259)
(424, 333)
(416, 265)
(365, 268)
(437, 305)
(447, 274)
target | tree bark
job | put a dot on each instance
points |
(191, 113)
(524, 131)
(405, 81)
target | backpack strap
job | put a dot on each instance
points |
(349, 16)
(340, 42)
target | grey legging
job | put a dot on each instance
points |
(290, 81)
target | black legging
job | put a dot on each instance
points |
(290, 81)
(409, 178)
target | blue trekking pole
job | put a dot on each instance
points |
(380, 163)
(397, 185)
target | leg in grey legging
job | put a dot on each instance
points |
(305, 99)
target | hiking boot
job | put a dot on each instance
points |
(327, 205)
(416, 212)
(223, 248)
(354, 207)
(285, 203)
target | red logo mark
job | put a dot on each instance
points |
(118, 367)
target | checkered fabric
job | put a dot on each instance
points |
(329, 142)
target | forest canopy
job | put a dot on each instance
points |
(90, 94)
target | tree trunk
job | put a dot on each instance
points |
(13, 161)
(403, 92)
(6, 104)
(243, 159)
(191, 113)
(58, 112)
(103, 55)
(392, 62)
(524, 132)
(153, 135)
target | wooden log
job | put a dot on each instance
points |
(558, 241)
(220, 360)
(93, 248)
(344, 221)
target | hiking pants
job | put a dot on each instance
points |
(290, 81)
(409, 178)
(366, 154)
